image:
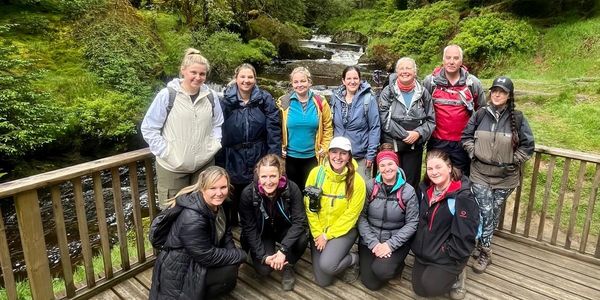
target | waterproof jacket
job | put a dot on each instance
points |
(249, 132)
(325, 130)
(187, 137)
(453, 104)
(337, 214)
(383, 219)
(362, 128)
(283, 216)
(180, 273)
(397, 119)
(488, 140)
(444, 238)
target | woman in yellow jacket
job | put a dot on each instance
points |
(306, 127)
(335, 196)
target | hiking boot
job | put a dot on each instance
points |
(351, 274)
(483, 261)
(459, 290)
(288, 278)
(476, 251)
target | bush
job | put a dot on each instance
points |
(276, 32)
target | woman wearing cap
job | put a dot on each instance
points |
(498, 140)
(387, 222)
(334, 198)
(272, 211)
(445, 237)
(306, 127)
(356, 116)
(407, 117)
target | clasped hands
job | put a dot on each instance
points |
(276, 261)
(382, 250)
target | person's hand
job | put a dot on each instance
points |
(321, 153)
(320, 242)
(276, 261)
(369, 164)
(283, 153)
(412, 137)
(382, 250)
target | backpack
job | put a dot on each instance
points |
(470, 104)
(173, 94)
(161, 226)
(375, 190)
(285, 196)
(366, 103)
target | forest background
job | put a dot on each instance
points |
(76, 76)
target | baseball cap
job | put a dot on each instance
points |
(340, 142)
(504, 83)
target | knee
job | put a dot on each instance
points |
(327, 266)
(384, 272)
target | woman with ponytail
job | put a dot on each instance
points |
(498, 140)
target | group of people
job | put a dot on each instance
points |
(301, 171)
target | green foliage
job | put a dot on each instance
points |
(287, 10)
(273, 30)
(319, 11)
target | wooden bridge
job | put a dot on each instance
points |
(547, 245)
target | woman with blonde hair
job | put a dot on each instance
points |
(183, 127)
(200, 260)
(306, 127)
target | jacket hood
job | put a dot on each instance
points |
(363, 87)
(400, 179)
(439, 76)
(230, 95)
(175, 84)
(193, 201)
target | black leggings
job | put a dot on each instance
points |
(375, 272)
(297, 169)
(431, 281)
(294, 254)
(221, 280)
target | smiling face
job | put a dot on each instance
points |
(245, 80)
(268, 178)
(499, 96)
(300, 83)
(388, 170)
(406, 72)
(452, 60)
(438, 172)
(338, 159)
(351, 81)
(215, 194)
(194, 76)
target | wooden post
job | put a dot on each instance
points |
(34, 244)
(7, 271)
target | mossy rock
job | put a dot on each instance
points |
(350, 37)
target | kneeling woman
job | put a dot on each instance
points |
(335, 196)
(272, 211)
(387, 222)
(203, 261)
(448, 220)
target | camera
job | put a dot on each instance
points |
(314, 198)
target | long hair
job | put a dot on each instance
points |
(455, 173)
(350, 178)
(206, 179)
(269, 160)
(193, 56)
(513, 121)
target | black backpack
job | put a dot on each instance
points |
(161, 226)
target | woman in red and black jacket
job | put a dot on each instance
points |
(445, 237)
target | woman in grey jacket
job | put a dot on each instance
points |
(387, 222)
(407, 117)
(498, 140)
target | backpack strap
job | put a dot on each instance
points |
(320, 177)
(319, 102)
(376, 188)
(173, 94)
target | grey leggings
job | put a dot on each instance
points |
(334, 259)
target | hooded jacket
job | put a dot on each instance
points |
(286, 217)
(337, 214)
(180, 273)
(249, 132)
(397, 119)
(187, 137)
(489, 144)
(383, 220)
(363, 132)
(443, 238)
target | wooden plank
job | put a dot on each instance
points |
(590, 211)
(561, 197)
(243, 291)
(6, 263)
(546, 199)
(118, 201)
(587, 157)
(576, 197)
(137, 212)
(536, 169)
(66, 174)
(106, 295)
(267, 285)
(34, 244)
(150, 188)
(63, 244)
(102, 225)
(145, 278)
(515, 215)
(84, 235)
(131, 289)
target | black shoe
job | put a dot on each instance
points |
(288, 278)
(351, 274)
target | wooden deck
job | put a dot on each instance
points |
(518, 272)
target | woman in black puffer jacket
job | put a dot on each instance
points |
(202, 261)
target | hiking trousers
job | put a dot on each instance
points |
(269, 243)
(490, 203)
(375, 272)
(334, 259)
(431, 281)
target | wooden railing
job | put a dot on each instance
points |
(25, 194)
(556, 217)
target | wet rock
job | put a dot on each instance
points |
(352, 37)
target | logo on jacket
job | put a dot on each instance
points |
(463, 214)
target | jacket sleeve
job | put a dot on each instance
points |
(367, 233)
(298, 217)
(154, 121)
(195, 236)
(348, 220)
(468, 135)
(217, 120)
(526, 143)
(388, 125)
(327, 134)
(374, 128)
(314, 223)
(480, 93)
(411, 219)
(461, 241)
(249, 224)
(427, 83)
(273, 116)
(426, 129)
